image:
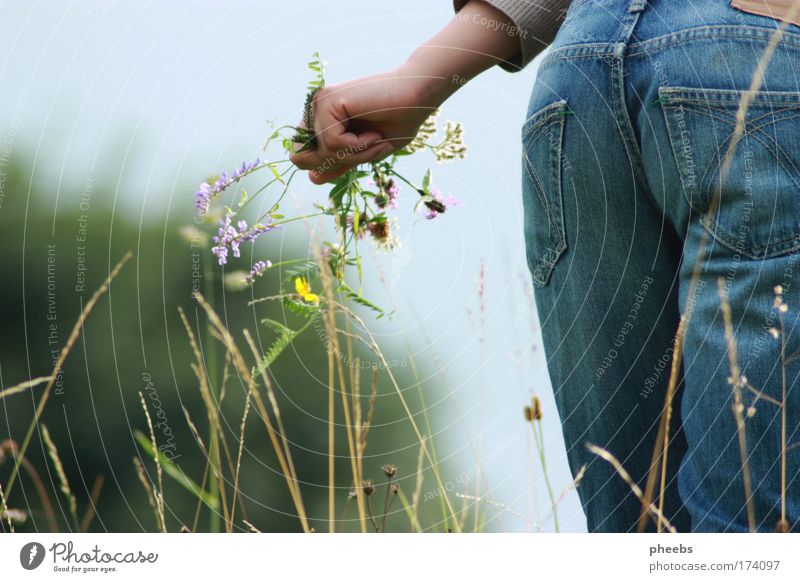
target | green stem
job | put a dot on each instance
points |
(540, 448)
(211, 370)
(305, 216)
(267, 185)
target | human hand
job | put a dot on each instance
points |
(367, 119)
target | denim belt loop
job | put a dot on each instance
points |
(635, 9)
(637, 5)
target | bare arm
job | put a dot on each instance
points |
(366, 119)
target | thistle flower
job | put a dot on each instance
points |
(382, 232)
(257, 270)
(229, 237)
(439, 204)
(206, 191)
(388, 191)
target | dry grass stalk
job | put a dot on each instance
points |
(239, 454)
(211, 406)
(216, 438)
(502, 507)
(738, 405)
(332, 332)
(30, 470)
(437, 475)
(418, 490)
(373, 400)
(91, 510)
(159, 495)
(242, 368)
(656, 513)
(331, 444)
(195, 432)
(23, 386)
(358, 426)
(148, 487)
(784, 411)
(71, 340)
(206, 469)
(275, 410)
(72, 504)
(6, 512)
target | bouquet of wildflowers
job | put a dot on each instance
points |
(362, 204)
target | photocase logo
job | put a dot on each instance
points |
(31, 555)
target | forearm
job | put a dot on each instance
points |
(478, 37)
(537, 24)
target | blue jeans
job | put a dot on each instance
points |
(645, 202)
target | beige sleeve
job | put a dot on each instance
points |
(536, 23)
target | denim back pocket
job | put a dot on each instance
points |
(758, 213)
(545, 239)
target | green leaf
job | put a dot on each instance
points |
(356, 297)
(306, 270)
(174, 471)
(344, 183)
(285, 338)
(276, 173)
(301, 308)
(426, 181)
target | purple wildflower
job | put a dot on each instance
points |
(257, 270)
(387, 193)
(228, 238)
(393, 190)
(207, 191)
(202, 198)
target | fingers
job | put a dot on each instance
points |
(335, 145)
(323, 173)
(327, 156)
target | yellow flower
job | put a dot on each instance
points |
(304, 290)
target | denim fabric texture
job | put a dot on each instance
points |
(640, 176)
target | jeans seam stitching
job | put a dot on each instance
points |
(628, 133)
(757, 251)
(546, 262)
(713, 32)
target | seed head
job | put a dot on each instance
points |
(390, 470)
(536, 408)
(368, 486)
(782, 526)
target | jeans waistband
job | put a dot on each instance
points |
(607, 23)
